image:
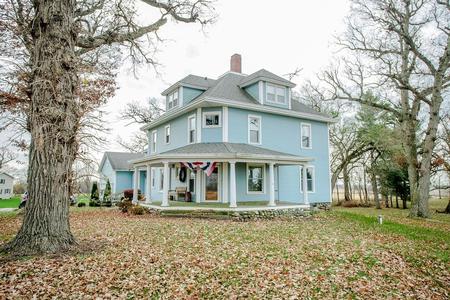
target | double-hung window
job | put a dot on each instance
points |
(255, 178)
(154, 135)
(309, 179)
(275, 94)
(172, 100)
(306, 136)
(2, 180)
(211, 119)
(192, 129)
(153, 178)
(167, 134)
(254, 129)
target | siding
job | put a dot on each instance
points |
(189, 94)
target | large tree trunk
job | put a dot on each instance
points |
(347, 190)
(376, 197)
(53, 122)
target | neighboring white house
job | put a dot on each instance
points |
(6, 185)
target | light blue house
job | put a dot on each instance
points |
(265, 145)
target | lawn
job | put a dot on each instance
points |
(340, 254)
(10, 203)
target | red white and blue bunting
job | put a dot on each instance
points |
(206, 166)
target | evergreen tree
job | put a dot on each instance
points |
(94, 191)
(107, 193)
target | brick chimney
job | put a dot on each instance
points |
(235, 63)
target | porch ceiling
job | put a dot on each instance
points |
(222, 152)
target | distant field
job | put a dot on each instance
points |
(10, 203)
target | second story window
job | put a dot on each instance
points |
(172, 100)
(276, 94)
(211, 119)
(254, 130)
(154, 141)
(192, 130)
(2, 180)
(167, 134)
(306, 136)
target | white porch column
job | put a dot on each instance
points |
(198, 185)
(233, 202)
(271, 185)
(305, 184)
(148, 185)
(225, 182)
(135, 185)
(165, 199)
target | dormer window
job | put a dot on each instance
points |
(275, 94)
(172, 100)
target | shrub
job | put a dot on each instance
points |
(129, 194)
(81, 204)
(125, 205)
(94, 203)
(107, 203)
(350, 204)
(137, 210)
(107, 192)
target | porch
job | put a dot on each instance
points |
(244, 176)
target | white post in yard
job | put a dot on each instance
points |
(135, 185)
(225, 182)
(165, 199)
(148, 185)
(271, 185)
(305, 184)
(233, 202)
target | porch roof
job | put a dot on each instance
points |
(222, 152)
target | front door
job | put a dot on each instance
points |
(212, 186)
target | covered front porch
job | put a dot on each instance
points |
(243, 177)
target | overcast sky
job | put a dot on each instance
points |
(276, 35)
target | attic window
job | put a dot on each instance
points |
(172, 100)
(276, 94)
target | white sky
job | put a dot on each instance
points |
(278, 36)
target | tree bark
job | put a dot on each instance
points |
(376, 198)
(53, 121)
(346, 178)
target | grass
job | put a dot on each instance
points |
(10, 203)
(340, 254)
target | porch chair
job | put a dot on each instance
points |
(181, 190)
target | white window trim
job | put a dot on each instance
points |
(205, 113)
(154, 141)
(263, 178)
(193, 116)
(313, 169)
(259, 131)
(178, 98)
(165, 134)
(310, 135)
(276, 86)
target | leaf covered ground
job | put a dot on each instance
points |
(339, 254)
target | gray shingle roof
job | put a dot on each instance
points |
(265, 75)
(225, 148)
(300, 107)
(119, 160)
(227, 87)
(192, 80)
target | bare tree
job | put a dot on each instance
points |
(399, 51)
(59, 42)
(6, 156)
(136, 113)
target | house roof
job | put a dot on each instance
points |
(7, 175)
(119, 160)
(222, 152)
(265, 75)
(194, 81)
(220, 148)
